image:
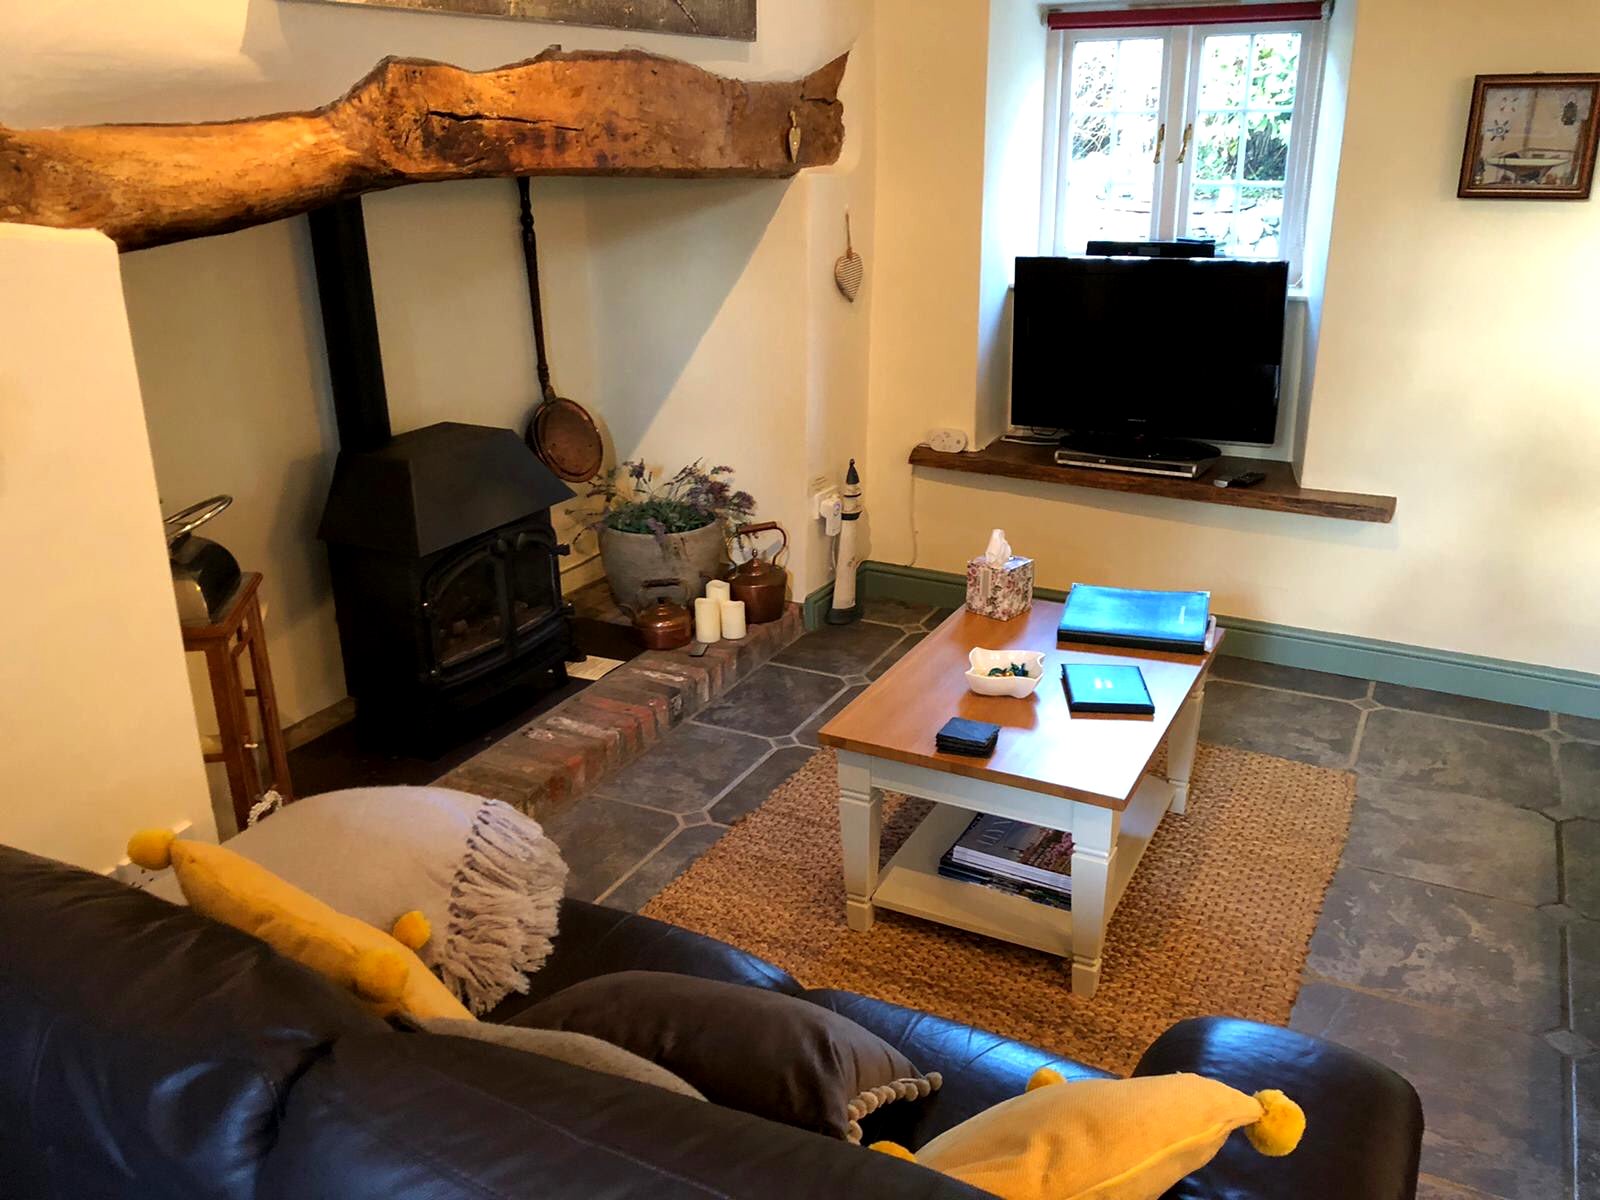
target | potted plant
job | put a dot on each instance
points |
(677, 529)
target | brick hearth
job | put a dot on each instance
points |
(566, 751)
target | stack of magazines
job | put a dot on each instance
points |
(1013, 857)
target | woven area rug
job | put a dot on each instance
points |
(1217, 919)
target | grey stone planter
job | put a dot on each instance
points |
(696, 557)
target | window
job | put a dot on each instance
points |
(1166, 131)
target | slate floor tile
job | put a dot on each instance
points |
(1434, 945)
(1428, 751)
(895, 612)
(672, 860)
(1464, 708)
(1580, 861)
(895, 654)
(1294, 679)
(1587, 728)
(683, 771)
(1588, 1122)
(939, 616)
(751, 792)
(1579, 767)
(1583, 977)
(1305, 728)
(1493, 1099)
(808, 732)
(840, 649)
(1431, 1187)
(774, 701)
(1455, 839)
(602, 840)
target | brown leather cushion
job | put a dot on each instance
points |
(747, 1048)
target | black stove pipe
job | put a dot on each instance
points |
(350, 326)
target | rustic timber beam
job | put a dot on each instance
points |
(415, 121)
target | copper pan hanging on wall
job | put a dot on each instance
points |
(561, 431)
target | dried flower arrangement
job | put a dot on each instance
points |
(692, 499)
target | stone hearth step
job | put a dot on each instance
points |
(566, 751)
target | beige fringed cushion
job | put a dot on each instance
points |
(748, 1048)
(486, 877)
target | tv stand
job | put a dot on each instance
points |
(1181, 458)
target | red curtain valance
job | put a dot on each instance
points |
(1190, 14)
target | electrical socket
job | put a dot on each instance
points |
(126, 871)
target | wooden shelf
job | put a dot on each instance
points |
(1278, 492)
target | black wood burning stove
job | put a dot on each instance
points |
(445, 564)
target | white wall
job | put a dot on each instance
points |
(1454, 366)
(693, 318)
(96, 736)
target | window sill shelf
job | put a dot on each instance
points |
(1278, 492)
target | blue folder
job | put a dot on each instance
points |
(1136, 620)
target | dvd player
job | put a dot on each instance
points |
(1178, 458)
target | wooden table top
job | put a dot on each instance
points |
(1042, 747)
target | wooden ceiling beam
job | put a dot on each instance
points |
(415, 121)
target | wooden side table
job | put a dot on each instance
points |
(224, 643)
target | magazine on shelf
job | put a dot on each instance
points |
(1011, 887)
(1015, 850)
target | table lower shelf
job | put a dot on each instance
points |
(911, 882)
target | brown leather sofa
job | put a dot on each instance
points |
(147, 1052)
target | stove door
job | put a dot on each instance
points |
(533, 579)
(465, 602)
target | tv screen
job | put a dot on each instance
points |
(1166, 347)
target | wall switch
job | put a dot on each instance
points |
(136, 876)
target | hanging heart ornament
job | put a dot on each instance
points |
(848, 270)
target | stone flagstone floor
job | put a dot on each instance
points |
(1460, 941)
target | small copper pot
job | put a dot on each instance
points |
(763, 585)
(663, 625)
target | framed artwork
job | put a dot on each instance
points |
(735, 19)
(1531, 137)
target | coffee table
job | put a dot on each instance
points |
(1085, 774)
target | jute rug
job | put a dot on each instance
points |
(1217, 919)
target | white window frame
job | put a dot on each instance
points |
(1174, 166)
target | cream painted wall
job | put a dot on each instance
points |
(98, 739)
(1453, 368)
(693, 318)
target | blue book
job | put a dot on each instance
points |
(1108, 688)
(1137, 620)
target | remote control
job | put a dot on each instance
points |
(1241, 480)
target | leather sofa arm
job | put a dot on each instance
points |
(1363, 1121)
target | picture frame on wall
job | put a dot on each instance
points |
(1531, 137)
(733, 19)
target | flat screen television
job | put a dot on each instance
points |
(1150, 348)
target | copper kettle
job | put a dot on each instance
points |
(762, 584)
(663, 625)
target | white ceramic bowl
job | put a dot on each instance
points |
(979, 680)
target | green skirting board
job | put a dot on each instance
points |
(1549, 688)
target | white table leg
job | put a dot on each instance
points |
(1182, 738)
(860, 827)
(1094, 852)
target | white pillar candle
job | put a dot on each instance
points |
(707, 620)
(733, 619)
(718, 590)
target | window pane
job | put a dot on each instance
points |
(1094, 69)
(1223, 66)
(1266, 154)
(1139, 74)
(1216, 146)
(1276, 63)
(1258, 223)
(1211, 213)
(1110, 143)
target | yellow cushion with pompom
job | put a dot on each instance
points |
(1105, 1139)
(378, 969)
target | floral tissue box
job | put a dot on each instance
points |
(1000, 592)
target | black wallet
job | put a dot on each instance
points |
(961, 736)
